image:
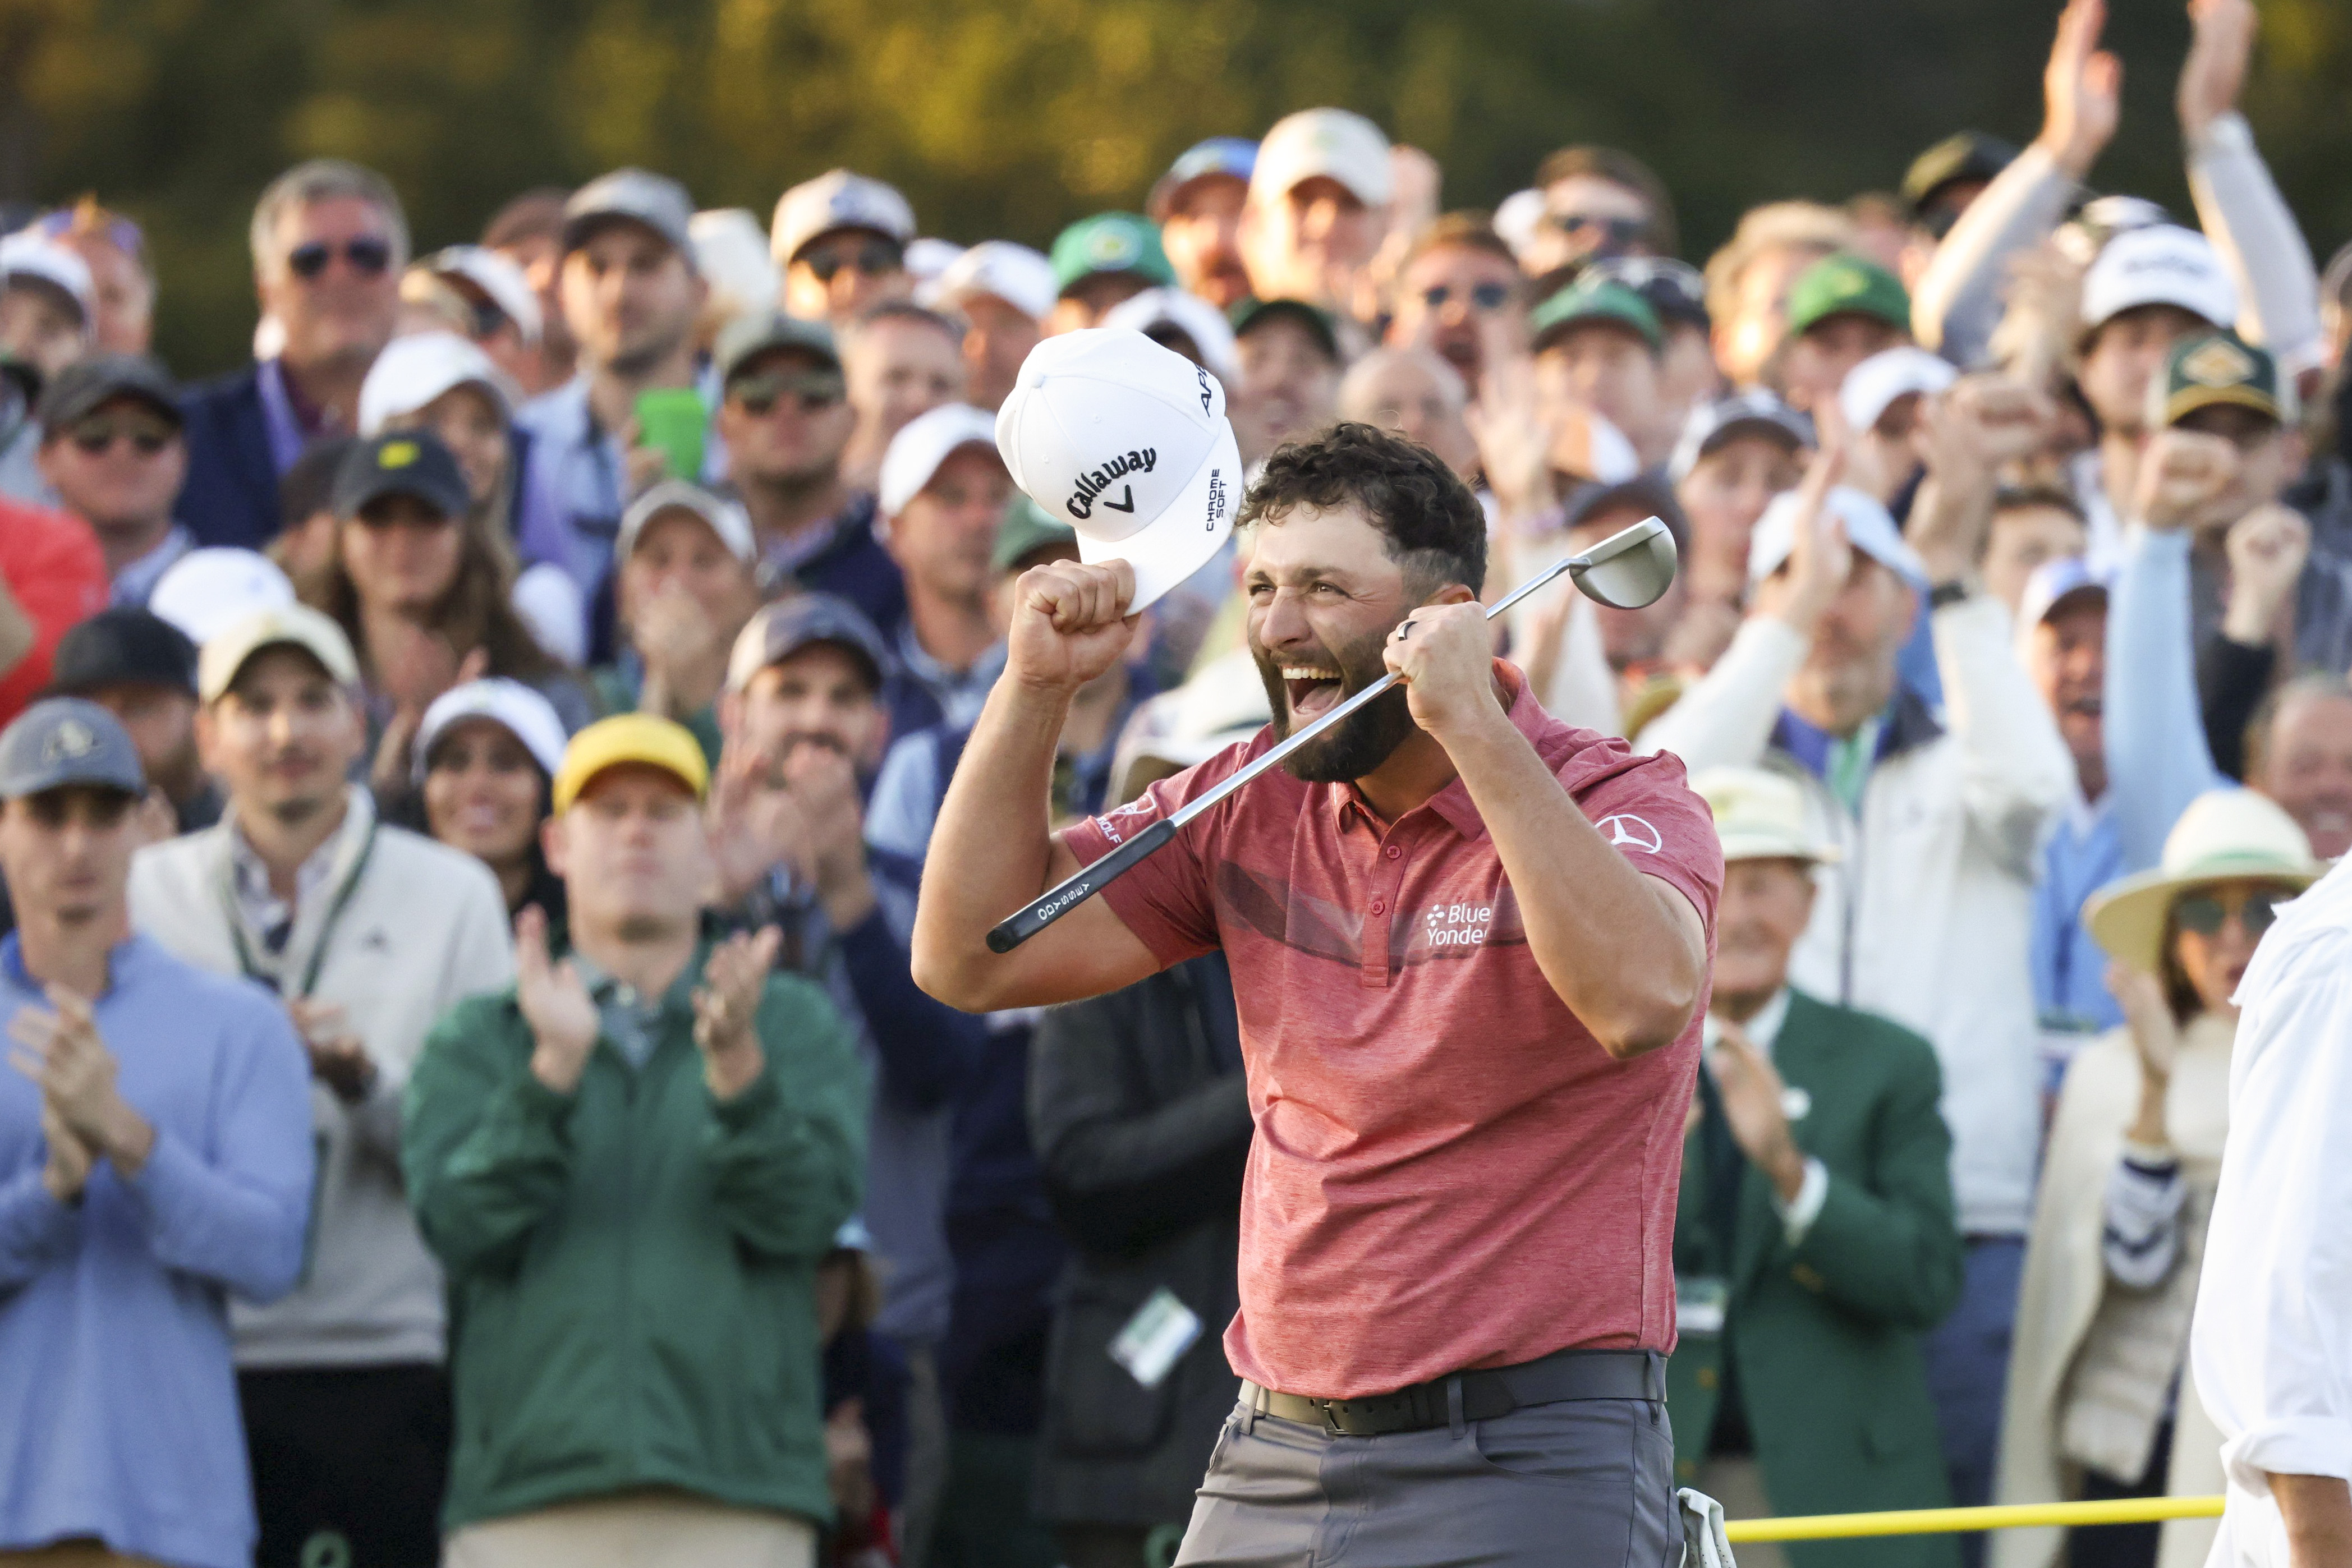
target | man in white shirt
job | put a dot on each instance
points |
(2270, 1347)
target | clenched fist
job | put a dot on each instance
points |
(1070, 623)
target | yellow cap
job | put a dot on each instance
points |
(630, 737)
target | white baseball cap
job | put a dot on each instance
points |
(208, 591)
(1020, 276)
(927, 257)
(1129, 443)
(1871, 388)
(514, 706)
(1869, 527)
(1334, 142)
(415, 369)
(1517, 218)
(726, 518)
(924, 443)
(36, 256)
(297, 625)
(1190, 314)
(2162, 264)
(731, 249)
(495, 276)
(837, 199)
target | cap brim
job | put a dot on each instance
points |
(1187, 532)
(2189, 400)
(1739, 846)
(2127, 919)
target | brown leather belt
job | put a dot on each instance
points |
(1480, 1395)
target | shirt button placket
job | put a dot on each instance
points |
(1388, 875)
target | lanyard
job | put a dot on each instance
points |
(343, 895)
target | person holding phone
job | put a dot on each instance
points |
(635, 410)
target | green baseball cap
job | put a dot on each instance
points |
(2215, 368)
(1847, 284)
(1111, 242)
(1595, 300)
(1026, 528)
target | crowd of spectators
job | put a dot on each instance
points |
(468, 775)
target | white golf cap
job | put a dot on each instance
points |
(2163, 263)
(1129, 443)
(726, 518)
(1020, 276)
(1871, 388)
(1517, 217)
(208, 591)
(928, 257)
(1188, 313)
(1760, 815)
(512, 706)
(1334, 143)
(499, 279)
(1869, 527)
(289, 625)
(731, 249)
(37, 256)
(837, 200)
(415, 370)
(924, 443)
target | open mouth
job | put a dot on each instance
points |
(1313, 691)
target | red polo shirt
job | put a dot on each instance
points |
(53, 565)
(1449, 1171)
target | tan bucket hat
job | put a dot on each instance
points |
(2225, 835)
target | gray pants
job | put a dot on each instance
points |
(1584, 1483)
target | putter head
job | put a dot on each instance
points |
(1630, 568)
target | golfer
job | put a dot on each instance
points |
(1470, 948)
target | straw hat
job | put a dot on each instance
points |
(1760, 815)
(2225, 835)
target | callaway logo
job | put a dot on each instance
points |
(1090, 485)
(1630, 832)
(1204, 387)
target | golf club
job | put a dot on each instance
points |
(1628, 570)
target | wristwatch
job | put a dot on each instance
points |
(1953, 592)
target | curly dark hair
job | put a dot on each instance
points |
(1432, 523)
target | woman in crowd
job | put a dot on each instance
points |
(2099, 1405)
(425, 603)
(442, 382)
(487, 755)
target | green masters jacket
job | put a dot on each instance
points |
(1825, 1333)
(631, 1267)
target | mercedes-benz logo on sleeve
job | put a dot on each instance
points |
(1630, 832)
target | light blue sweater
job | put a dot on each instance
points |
(118, 1402)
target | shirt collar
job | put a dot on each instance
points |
(1763, 1030)
(135, 583)
(120, 963)
(1453, 805)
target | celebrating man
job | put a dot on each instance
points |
(1470, 948)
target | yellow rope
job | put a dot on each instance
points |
(1942, 1521)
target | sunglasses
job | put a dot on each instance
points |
(147, 436)
(812, 390)
(367, 255)
(1488, 298)
(873, 259)
(2203, 913)
(1620, 231)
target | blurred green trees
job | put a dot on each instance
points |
(1012, 117)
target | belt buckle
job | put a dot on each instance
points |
(1328, 1410)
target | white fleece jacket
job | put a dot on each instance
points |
(423, 928)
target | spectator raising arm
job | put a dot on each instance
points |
(2238, 203)
(2267, 548)
(1958, 302)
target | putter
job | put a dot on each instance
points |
(1627, 570)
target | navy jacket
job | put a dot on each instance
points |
(231, 494)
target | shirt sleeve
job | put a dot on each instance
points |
(1167, 900)
(2272, 1340)
(1646, 807)
(57, 582)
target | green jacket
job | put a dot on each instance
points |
(1826, 1332)
(631, 1267)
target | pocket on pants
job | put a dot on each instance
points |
(1587, 1444)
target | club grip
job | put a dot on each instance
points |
(1015, 929)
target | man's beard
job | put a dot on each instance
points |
(1358, 744)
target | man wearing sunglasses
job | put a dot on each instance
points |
(786, 421)
(112, 447)
(328, 239)
(1460, 295)
(1599, 201)
(840, 239)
